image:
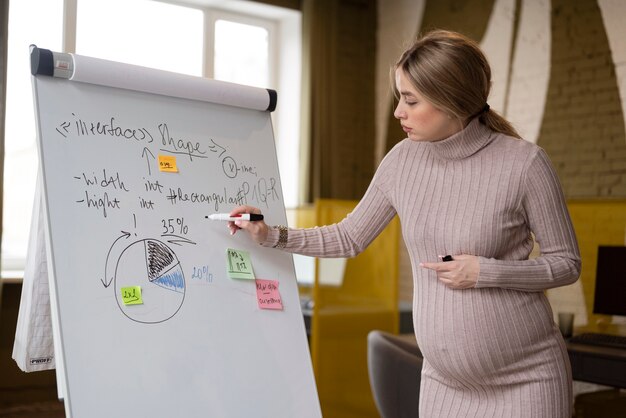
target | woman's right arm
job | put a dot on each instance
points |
(343, 239)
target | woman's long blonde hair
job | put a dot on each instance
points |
(451, 71)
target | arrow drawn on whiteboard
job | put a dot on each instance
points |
(65, 126)
(109, 270)
(217, 148)
(144, 154)
(179, 241)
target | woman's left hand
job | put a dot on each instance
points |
(460, 273)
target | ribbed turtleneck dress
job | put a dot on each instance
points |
(492, 350)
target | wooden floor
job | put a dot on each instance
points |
(48, 409)
(22, 395)
(38, 401)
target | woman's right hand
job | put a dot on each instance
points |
(256, 229)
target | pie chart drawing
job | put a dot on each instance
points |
(153, 265)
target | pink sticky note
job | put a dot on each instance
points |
(268, 295)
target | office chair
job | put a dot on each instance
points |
(395, 366)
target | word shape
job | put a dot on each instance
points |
(180, 146)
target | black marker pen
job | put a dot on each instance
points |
(239, 217)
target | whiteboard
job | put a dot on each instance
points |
(199, 345)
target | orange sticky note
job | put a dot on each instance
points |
(268, 295)
(168, 163)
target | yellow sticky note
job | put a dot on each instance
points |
(239, 264)
(168, 163)
(132, 295)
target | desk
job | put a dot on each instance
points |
(601, 365)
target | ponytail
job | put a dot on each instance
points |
(492, 120)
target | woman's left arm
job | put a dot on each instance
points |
(548, 218)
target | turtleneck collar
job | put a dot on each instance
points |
(464, 143)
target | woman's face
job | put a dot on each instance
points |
(419, 118)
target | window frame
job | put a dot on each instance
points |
(211, 16)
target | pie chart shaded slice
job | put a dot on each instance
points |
(159, 259)
(172, 280)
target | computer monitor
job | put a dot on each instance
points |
(610, 289)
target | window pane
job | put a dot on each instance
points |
(141, 32)
(20, 164)
(241, 53)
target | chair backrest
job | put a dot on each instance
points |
(394, 365)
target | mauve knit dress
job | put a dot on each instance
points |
(494, 350)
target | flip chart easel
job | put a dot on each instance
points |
(132, 160)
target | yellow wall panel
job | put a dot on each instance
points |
(597, 222)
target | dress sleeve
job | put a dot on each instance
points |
(548, 218)
(356, 231)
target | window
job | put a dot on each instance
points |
(241, 53)
(20, 159)
(243, 42)
(141, 32)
